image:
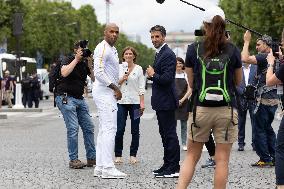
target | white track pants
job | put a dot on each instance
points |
(107, 112)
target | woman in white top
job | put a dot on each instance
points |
(132, 86)
(183, 92)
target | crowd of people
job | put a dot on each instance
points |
(30, 90)
(209, 93)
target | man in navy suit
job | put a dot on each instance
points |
(249, 78)
(164, 101)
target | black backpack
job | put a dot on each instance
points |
(213, 78)
(54, 77)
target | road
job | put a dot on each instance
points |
(34, 155)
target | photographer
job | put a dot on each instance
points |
(274, 79)
(267, 102)
(69, 100)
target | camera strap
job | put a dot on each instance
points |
(262, 90)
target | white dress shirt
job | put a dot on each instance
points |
(246, 74)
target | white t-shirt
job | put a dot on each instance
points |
(182, 75)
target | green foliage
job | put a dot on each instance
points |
(265, 17)
(52, 27)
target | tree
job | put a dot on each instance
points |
(265, 17)
(52, 27)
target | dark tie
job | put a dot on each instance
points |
(156, 55)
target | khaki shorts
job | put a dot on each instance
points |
(217, 119)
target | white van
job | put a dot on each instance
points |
(7, 62)
(44, 83)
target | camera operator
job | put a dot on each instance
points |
(267, 101)
(69, 100)
(273, 79)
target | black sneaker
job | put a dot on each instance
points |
(161, 169)
(210, 163)
(261, 163)
(167, 174)
(241, 148)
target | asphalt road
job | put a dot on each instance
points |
(34, 155)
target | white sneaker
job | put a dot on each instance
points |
(112, 173)
(97, 173)
(184, 148)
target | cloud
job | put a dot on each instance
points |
(138, 16)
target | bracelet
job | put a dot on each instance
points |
(269, 66)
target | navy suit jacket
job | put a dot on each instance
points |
(251, 81)
(164, 96)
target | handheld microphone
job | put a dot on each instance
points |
(125, 68)
(160, 1)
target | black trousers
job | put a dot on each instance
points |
(167, 130)
(210, 145)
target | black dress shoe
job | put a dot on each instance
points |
(158, 171)
(167, 174)
(241, 148)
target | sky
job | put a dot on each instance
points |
(138, 16)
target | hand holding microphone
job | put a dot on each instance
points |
(126, 72)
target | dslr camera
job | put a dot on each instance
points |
(275, 47)
(86, 52)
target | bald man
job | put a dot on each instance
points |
(105, 94)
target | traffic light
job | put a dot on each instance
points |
(18, 24)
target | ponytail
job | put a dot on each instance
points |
(215, 38)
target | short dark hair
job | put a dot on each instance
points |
(160, 29)
(266, 39)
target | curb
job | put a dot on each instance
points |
(22, 110)
(3, 116)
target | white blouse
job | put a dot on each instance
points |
(133, 87)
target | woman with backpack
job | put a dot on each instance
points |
(214, 69)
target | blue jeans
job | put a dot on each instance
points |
(242, 116)
(75, 114)
(265, 137)
(279, 155)
(122, 113)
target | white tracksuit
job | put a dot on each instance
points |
(106, 70)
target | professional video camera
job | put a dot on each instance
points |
(202, 32)
(86, 52)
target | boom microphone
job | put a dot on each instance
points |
(160, 1)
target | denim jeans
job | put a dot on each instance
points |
(75, 114)
(122, 113)
(279, 155)
(183, 131)
(264, 139)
